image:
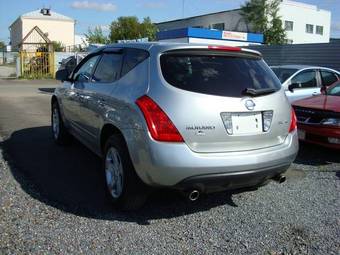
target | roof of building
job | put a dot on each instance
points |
(41, 14)
(192, 17)
(52, 15)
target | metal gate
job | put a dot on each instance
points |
(37, 65)
(8, 63)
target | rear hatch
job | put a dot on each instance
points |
(226, 99)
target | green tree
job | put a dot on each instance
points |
(96, 35)
(129, 28)
(58, 46)
(2, 45)
(276, 34)
(148, 29)
(263, 17)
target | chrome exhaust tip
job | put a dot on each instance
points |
(280, 178)
(194, 195)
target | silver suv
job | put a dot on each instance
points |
(194, 118)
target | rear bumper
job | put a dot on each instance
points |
(318, 134)
(233, 180)
(169, 164)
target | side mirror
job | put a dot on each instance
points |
(62, 75)
(293, 86)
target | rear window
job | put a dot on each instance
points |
(217, 74)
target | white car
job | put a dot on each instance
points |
(302, 81)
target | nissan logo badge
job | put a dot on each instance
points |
(250, 105)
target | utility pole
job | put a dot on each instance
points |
(183, 2)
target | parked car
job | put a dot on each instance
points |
(70, 62)
(305, 80)
(194, 118)
(319, 118)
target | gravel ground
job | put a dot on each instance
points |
(300, 216)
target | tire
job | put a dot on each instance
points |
(59, 132)
(124, 188)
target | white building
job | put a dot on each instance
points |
(305, 23)
(55, 26)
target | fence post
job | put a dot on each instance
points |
(52, 64)
(18, 65)
(22, 62)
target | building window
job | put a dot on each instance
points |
(309, 29)
(289, 25)
(218, 26)
(319, 30)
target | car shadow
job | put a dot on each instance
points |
(69, 178)
(47, 90)
(315, 155)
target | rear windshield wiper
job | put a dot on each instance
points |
(258, 92)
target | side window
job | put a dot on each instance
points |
(132, 58)
(335, 90)
(305, 79)
(85, 71)
(108, 69)
(71, 64)
(328, 78)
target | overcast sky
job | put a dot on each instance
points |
(102, 12)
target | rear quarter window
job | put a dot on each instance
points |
(218, 74)
(328, 78)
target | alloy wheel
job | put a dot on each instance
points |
(114, 172)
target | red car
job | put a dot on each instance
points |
(319, 117)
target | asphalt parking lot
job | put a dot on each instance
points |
(52, 199)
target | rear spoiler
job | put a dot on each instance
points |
(232, 51)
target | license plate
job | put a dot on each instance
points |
(247, 123)
(301, 134)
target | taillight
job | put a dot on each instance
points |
(160, 126)
(293, 121)
(224, 48)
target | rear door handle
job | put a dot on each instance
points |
(315, 93)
